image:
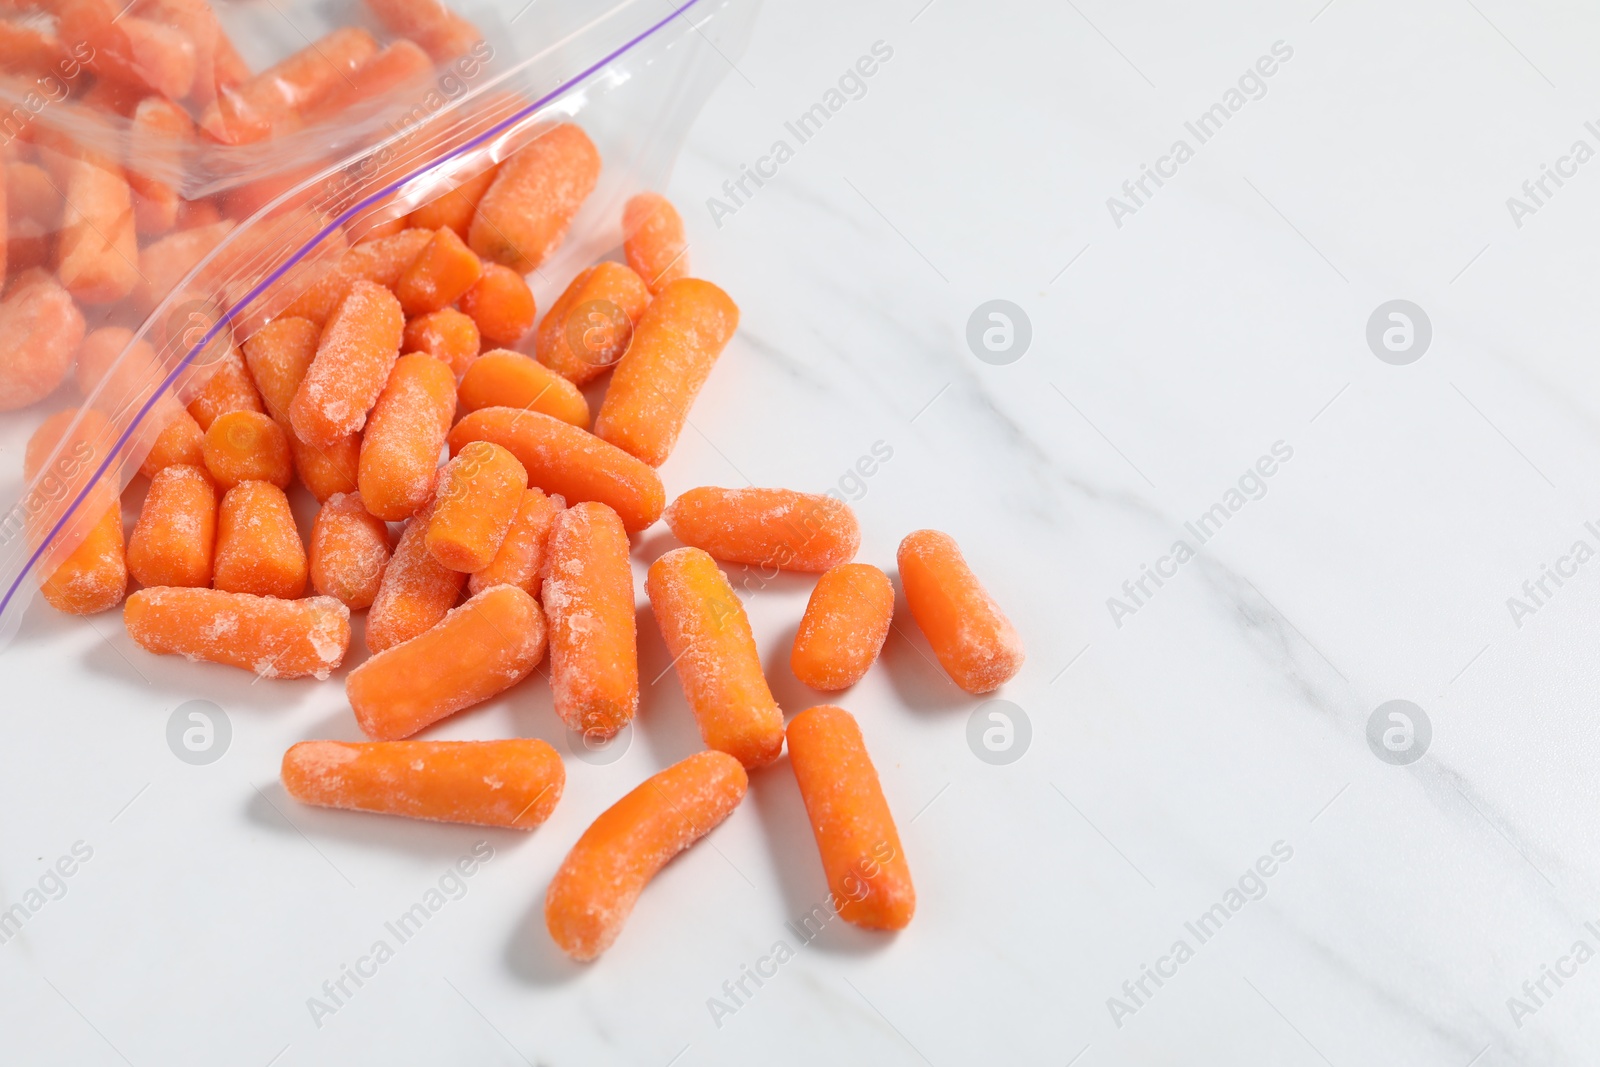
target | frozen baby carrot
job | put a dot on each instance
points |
(97, 249)
(258, 548)
(228, 388)
(500, 304)
(682, 333)
(479, 493)
(447, 334)
(33, 208)
(400, 63)
(521, 559)
(94, 576)
(415, 593)
(180, 440)
(164, 262)
(349, 551)
(217, 62)
(513, 783)
(599, 882)
(40, 329)
(442, 32)
(975, 642)
(357, 351)
(274, 638)
(588, 597)
(444, 270)
(709, 638)
(177, 529)
(589, 326)
(653, 241)
(475, 652)
(278, 95)
(844, 627)
(504, 379)
(526, 211)
(562, 458)
(380, 261)
(866, 868)
(247, 446)
(129, 49)
(404, 436)
(454, 209)
(278, 356)
(766, 527)
(158, 128)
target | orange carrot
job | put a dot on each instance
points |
(844, 627)
(513, 783)
(176, 533)
(976, 644)
(653, 241)
(448, 335)
(128, 48)
(682, 333)
(159, 127)
(562, 458)
(381, 261)
(274, 638)
(278, 356)
(164, 262)
(401, 63)
(868, 878)
(479, 492)
(500, 304)
(526, 211)
(599, 882)
(708, 636)
(588, 595)
(228, 388)
(93, 577)
(181, 441)
(501, 378)
(407, 430)
(521, 559)
(97, 250)
(258, 548)
(40, 329)
(589, 326)
(444, 270)
(474, 653)
(278, 95)
(33, 207)
(217, 62)
(454, 208)
(416, 591)
(349, 551)
(247, 446)
(766, 527)
(430, 23)
(357, 351)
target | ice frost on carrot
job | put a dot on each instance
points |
(767, 527)
(599, 882)
(272, 637)
(175, 536)
(588, 597)
(416, 590)
(844, 626)
(513, 783)
(479, 493)
(407, 429)
(976, 644)
(40, 329)
(355, 354)
(527, 209)
(349, 551)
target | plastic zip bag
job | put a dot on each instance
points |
(633, 75)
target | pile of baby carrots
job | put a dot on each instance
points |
(405, 348)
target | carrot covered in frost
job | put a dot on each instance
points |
(861, 853)
(275, 638)
(448, 335)
(513, 783)
(258, 548)
(844, 626)
(93, 577)
(714, 651)
(349, 551)
(653, 241)
(588, 598)
(479, 493)
(244, 446)
(976, 644)
(355, 354)
(173, 541)
(500, 304)
(599, 882)
(404, 435)
(477, 651)
(674, 346)
(521, 559)
(40, 329)
(416, 590)
(526, 211)
(766, 527)
(566, 459)
(589, 326)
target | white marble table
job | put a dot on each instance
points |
(1198, 798)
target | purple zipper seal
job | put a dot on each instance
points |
(265, 283)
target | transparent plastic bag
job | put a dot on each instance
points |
(632, 74)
